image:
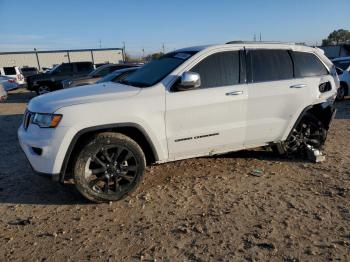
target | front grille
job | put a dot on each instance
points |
(27, 119)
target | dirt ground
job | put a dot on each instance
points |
(194, 210)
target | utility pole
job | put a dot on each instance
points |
(254, 38)
(100, 43)
(163, 48)
(260, 37)
(37, 58)
(143, 54)
(124, 54)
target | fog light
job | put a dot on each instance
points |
(37, 150)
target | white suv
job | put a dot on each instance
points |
(192, 102)
(13, 72)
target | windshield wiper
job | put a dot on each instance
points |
(129, 83)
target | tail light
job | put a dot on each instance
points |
(11, 80)
(19, 77)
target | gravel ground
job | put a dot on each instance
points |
(203, 209)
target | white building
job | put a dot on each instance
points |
(40, 59)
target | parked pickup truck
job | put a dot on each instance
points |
(52, 80)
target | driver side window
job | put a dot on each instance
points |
(220, 69)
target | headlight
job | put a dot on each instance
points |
(46, 120)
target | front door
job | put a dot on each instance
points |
(210, 119)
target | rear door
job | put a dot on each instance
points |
(209, 119)
(275, 97)
(310, 71)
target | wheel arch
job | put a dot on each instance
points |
(132, 130)
(321, 111)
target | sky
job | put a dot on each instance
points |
(74, 24)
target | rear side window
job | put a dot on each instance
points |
(10, 71)
(84, 67)
(221, 69)
(270, 65)
(307, 64)
(65, 68)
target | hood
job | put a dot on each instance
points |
(51, 102)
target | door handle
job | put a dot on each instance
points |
(234, 93)
(298, 86)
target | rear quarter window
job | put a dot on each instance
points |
(10, 71)
(308, 64)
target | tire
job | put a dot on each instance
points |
(109, 167)
(340, 93)
(309, 131)
(43, 90)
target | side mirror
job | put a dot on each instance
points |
(189, 80)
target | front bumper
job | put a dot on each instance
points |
(41, 147)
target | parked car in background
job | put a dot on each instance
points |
(94, 76)
(14, 72)
(193, 102)
(117, 75)
(100, 64)
(29, 71)
(3, 93)
(52, 80)
(8, 83)
(343, 70)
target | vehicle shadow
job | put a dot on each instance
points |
(262, 154)
(343, 109)
(18, 96)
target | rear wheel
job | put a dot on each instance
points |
(109, 167)
(310, 131)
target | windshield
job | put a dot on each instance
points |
(156, 70)
(344, 65)
(117, 75)
(96, 71)
(52, 69)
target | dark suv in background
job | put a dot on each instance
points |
(95, 75)
(52, 80)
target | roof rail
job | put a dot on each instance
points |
(260, 42)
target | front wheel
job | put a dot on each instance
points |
(109, 167)
(43, 90)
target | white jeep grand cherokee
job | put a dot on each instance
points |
(192, 102)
